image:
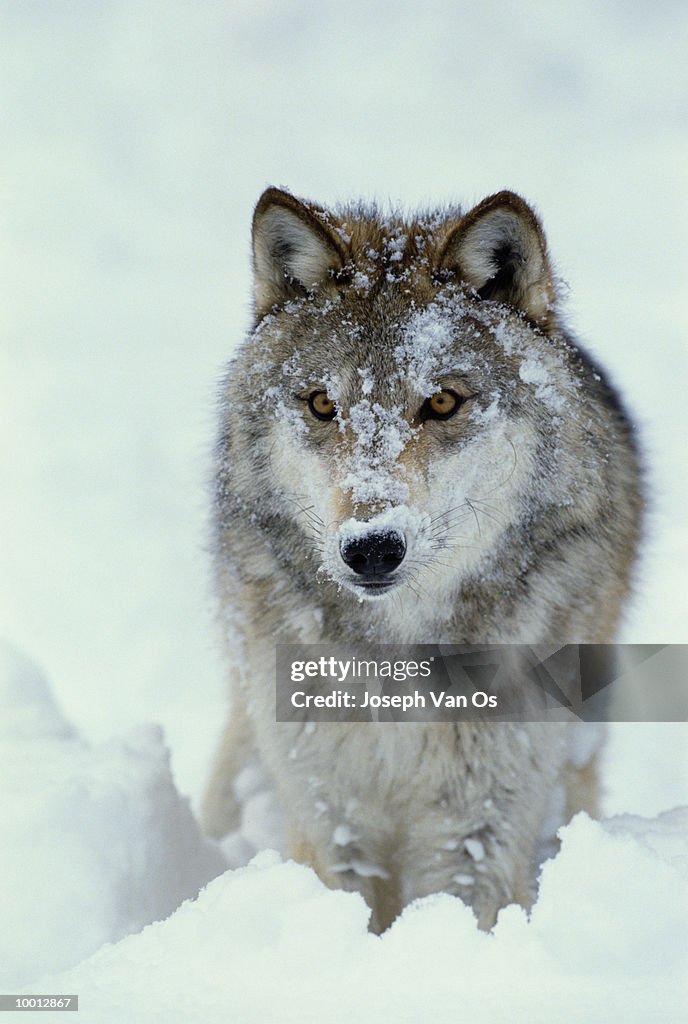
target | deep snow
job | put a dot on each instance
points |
(98, 844)
(96, 841)
(271, 943)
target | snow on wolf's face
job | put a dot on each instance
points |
(403, 442)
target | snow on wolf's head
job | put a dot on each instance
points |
(388, 410)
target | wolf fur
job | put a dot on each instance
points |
(518, 516)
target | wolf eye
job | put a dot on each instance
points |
(321, 405)
(440, 406)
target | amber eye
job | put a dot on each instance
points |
(440, 406)
(321, 405)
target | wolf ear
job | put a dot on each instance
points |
(293, 249)
(499, 247)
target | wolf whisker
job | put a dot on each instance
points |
(475, 514)
(481, 501)
(307, 511)
(416, 588)
(447, 512)
(475, 503)
(450, 524)
(454, 544)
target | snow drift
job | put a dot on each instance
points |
(98, 843)
(269, 942)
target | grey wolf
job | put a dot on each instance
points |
(413, 448)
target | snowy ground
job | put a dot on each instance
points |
(98, 844)
(136, 138)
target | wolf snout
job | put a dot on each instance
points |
(374, 555)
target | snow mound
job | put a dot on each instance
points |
(102, 862)
(615, 900)
(96, 841)
(269, 942)
(27, 708)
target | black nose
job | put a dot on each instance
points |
(374, 554)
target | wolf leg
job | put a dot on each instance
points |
(380, 891)
(583, 788)
(221, 810)
(501, 876)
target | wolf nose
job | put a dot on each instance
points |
(374, 554)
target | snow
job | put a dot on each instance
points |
(533, 371)
(136, 140)
(397, 518)
(361, 282)
(426, 342)
(380, 435)
(96, 840)
(343, 835)
(367, 379)
(269, 942)
(108, 890)
(474, 848)
(635, 899)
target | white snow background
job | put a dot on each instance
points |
(136, 138)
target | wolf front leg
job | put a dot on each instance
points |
(486, 873)
(338, 869)
(221, 809)
(486, 868)
(478, 838)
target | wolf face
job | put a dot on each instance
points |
(410, 397)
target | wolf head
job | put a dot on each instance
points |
(407, 399)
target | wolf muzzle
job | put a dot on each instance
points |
(374, 556)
